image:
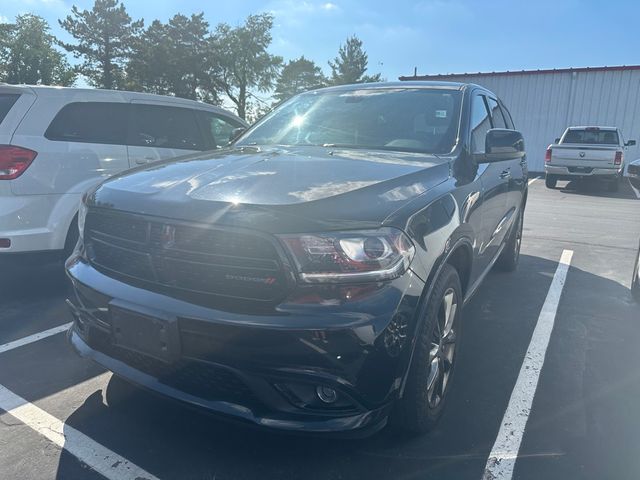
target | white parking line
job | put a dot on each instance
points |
(533, 180)
(504, 453)
(97, 457)
(34, 338)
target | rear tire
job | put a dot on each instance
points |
(550, 181)
(508, 259)
(432, 367)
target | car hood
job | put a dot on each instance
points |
(311, 183)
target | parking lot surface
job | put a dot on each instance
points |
(63, 417)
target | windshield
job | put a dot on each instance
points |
(403, 119)
(591, 135)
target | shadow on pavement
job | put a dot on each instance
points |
(584, 406)
(32, 297)
(596, 188)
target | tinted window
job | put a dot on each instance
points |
(400, 119)
(480, 124)
(90, 122)
(496, 114)
(164, 127)
(591, 135)
(218, 129)
(7, 100)
(507, 117)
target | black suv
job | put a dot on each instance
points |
(311, 276)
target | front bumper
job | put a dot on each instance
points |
(571, 172)
(252, 367)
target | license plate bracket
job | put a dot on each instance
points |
(146, 331)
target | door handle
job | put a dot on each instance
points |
(142, 161)
(505, 174)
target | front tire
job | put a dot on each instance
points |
(550, 181)
(432, 367)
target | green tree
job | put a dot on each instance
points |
(298, 76)
(105, 36)
(240, 61)
(28, 54)
(350, 65)
(170, 58)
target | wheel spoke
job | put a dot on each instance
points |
(432, 381)
(450, 308)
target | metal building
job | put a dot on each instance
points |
(544, 102)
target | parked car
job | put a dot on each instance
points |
(312, 277)
(587, 152)
(56, 143)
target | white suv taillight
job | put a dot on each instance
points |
(14, 161)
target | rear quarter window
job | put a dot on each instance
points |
(90, 122)
(7, 101)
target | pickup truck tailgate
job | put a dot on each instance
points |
(595, 156)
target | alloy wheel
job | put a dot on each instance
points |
(443, 348)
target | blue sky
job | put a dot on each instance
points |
(437, 36)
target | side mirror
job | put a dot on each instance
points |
(236, 132)
(557, 140)
(501, 144)
(630, 143)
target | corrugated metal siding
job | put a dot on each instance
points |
(544, 104)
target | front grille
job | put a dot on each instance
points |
(179, 259)
(201, 379)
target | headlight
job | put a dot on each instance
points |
(82, 215)
(357, 256)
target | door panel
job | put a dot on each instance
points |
(494, 181)
(516, 167)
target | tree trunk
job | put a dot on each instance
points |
(107, 74)
(242, 102)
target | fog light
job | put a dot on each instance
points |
(326, 394)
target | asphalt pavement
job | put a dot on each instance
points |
(69, 419)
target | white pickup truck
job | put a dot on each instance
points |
(587, 152)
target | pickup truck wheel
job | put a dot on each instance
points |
(508, 259)
(550, 181)
(432, 367)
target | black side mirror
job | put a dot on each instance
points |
(236, 132)
(501, 144)
(557, 140)
(630, 143)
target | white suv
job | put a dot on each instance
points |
(56, 143)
